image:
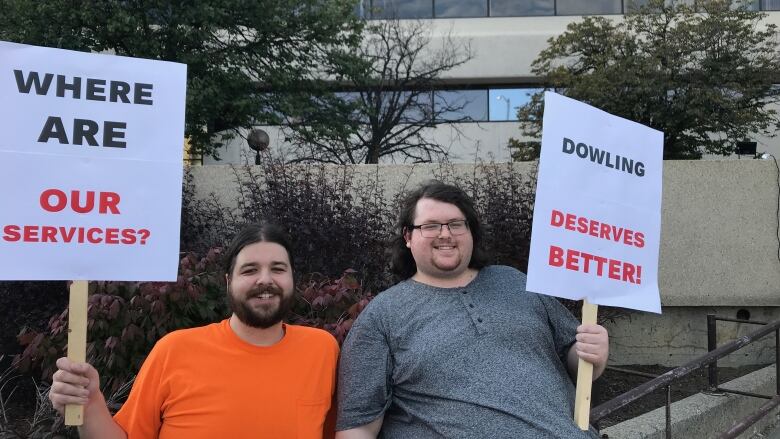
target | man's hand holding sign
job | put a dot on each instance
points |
(92, 173)
(597, 222)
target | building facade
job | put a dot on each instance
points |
(505, 36)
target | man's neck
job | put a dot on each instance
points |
(257, 336)
(461, 280)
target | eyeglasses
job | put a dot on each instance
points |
(432, 230)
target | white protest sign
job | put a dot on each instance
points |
(90, 165)
(597, 217)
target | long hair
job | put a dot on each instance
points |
(402, 262)
(252, 233)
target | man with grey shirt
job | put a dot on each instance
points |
(460, 349)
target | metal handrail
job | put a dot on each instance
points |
(605, 409)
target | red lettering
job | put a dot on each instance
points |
(628, 237)
(614, 269)
(582, 224)
(604, 231)
(638, 274)
(128, 236)
(570, 219)
(571, 260)
(639, 240)
(587, 257)
(30, 234)
(67, 233)
(593, 229)
(61, 200)
(89, 204)
(556, 220)
(628, 272)
(556, 254)
(48, 234)
(11, 233)
(600, 267)
(112, 236)
(91, 235)
(617, 232)
(109, 201)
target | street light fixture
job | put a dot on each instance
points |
(500, 97)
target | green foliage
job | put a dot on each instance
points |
(126, 319)
(245, 58)
(703, 76)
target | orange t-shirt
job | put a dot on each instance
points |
(206, 383)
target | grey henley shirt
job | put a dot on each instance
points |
(483, 361)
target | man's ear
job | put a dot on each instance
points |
(227, 279)
(407, 238)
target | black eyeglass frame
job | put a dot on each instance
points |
(438, 231)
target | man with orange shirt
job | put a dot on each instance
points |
(249, 376)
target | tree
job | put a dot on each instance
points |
(388, 100)
(703, 76)
(237, 51)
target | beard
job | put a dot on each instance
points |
(263, 317)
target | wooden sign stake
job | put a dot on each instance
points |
(584, 375)
(77, 340)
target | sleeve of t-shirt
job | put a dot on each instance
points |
(141, 415)
(364, 390)
(563, 325)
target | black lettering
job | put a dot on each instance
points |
(85, 129)
(63, 85)
(53, 128)
(582, 150)
(24, 85)
(607, 164)
(142, 91)
(639, 169)
(568, 146)
(95, 89)
(596, 155)
(111, 134)
(119, 90)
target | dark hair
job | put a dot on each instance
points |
(252, 233)
(402, 263)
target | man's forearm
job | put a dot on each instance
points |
(98, 423)
(368, 431)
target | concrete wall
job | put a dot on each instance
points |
(719, 253)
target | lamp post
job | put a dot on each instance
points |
(258, 140)
(500, 97)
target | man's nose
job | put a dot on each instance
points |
(263, 277)
(443, 228)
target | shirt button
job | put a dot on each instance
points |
(471, 305)
(464, 292)
(479, 320)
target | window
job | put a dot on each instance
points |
(461, 105)
(590, 7)
(460, 8)
(521, 8)
(770, 5)
(401, 9)
(504, 102)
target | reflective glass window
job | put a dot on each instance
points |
(770, 5)
(521, 8)
(504, 102)
(402, 8)
(460, 8)
(590, 7)
(461, 105)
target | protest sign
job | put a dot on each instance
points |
(91, 165)
(91, 172)
(597, 217)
